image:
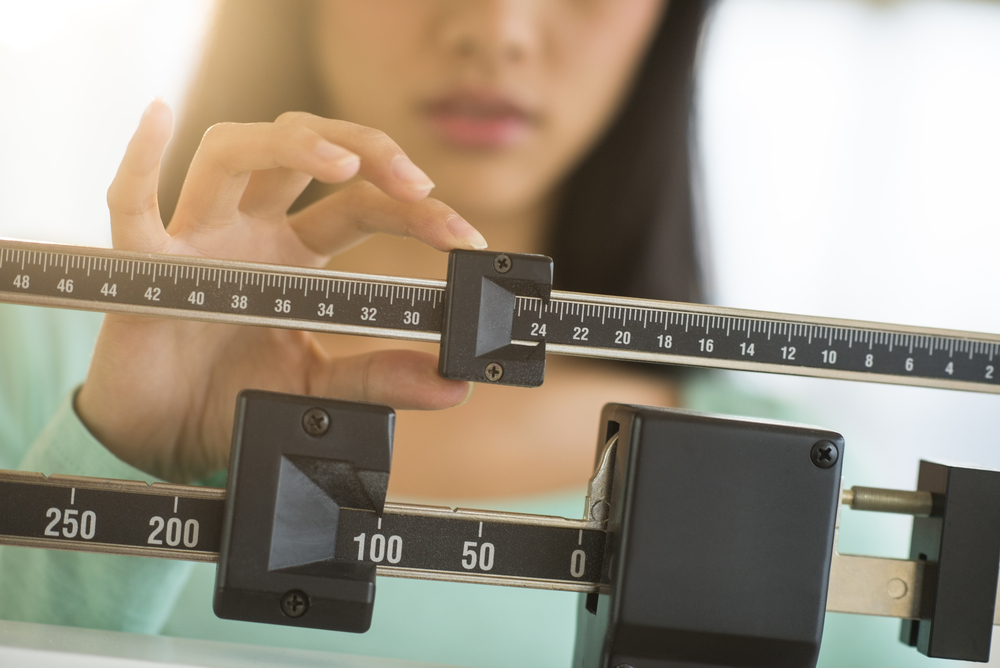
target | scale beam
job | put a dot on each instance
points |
(569, 323)
(137, 516)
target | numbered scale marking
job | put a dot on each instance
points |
(185, 522)
(94, 515)
(570, 323)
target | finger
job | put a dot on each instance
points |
(229, 152)
(135, 213)
(271, 192)
(343, 219)
(400, 378)
(383, 162)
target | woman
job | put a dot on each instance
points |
(557, 126)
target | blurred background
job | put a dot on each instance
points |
(850, 167)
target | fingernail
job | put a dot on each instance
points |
(468, 395)
(149, 107)
(404, 170)
(337, 155)
(461, 229)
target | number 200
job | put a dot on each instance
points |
(176, 531)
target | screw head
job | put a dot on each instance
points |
(493, 372)
(502, 263)
(824, 454)
(294, 603)
(316, 421)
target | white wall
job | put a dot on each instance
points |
(851, 158)
(75, 75)
(852, 166)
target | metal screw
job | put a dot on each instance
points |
(316, 421)
(494, 372)
(502, 263)
(824, 454)
(294, 603)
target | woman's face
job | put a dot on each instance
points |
(495, 99)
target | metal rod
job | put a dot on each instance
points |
(903, 502)
(875, 586)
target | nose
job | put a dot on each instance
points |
(491, 31)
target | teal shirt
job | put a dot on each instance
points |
(44, 354)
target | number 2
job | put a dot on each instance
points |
(56, 515)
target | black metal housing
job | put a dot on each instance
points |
(720, 536)
(480, 301)
(961, 540)
(285, 490)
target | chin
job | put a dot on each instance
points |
(490, 187)
(489, 196)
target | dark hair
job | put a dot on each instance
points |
(625, 222)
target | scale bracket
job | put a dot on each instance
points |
(480, 303)
(296, 461)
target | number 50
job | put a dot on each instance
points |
(485, 556)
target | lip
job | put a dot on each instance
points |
(480, 119)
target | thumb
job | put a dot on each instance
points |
(400, 378)
(135, 213)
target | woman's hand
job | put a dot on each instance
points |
(160, 394)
